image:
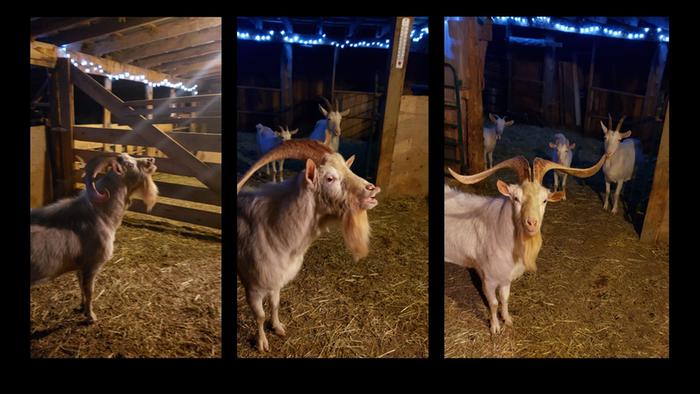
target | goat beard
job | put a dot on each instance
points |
(148, 193)
(356, 232)
(529, 249)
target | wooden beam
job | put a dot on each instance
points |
(151, 133)
(169, 45)
(50, 25)
(186, 62)
(182, 214)
(175, 100)
(214, 47)
(397, 71)
(288, 28)
(657, 207)
(170, 29)
(473, 71)
(209, 142)
(548, 82)
(577, 96)
(45, 55)
(588, 124)
(656, 74)
(102, 27)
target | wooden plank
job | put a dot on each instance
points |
(179, 63)
(577, 96)
(166, 165)
(619, 92)
(393, 103)
(209, 142)
(170, 29)
(214, 47)
(45, 55)
(548, 83)
(659, 196)
(656, 73)
(102, 27)
(202, 98)
(152, 134)
(213, 110)
(588, 124)
(169, 45)
(182, 214)
(49, 25)
(472, 92)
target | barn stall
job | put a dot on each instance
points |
(376, 68)
(601, 288)
(150, 87)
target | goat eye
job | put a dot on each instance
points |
(329, 179)
(516, 199)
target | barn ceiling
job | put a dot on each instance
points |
(184, 47)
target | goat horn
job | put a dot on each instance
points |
(609, 121)
(290, 149)
(519, 164)
(328, 103)
(542, 166)
(337, 106)
(620, 123)
(92, 168)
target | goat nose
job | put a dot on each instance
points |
(369, 187)
(531, 222)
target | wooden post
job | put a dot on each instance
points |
(577, 97)
(62, 128)
(473, 85)
(655, 226)
(336, 51)
(400, 47)
(509, 59)
(656, 74)
(548, 82)
(107, 117)
(588, 124)
(150, 151)
(286, 92)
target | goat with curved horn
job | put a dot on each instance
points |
(278, 222)
(501, 237)
(94, 167)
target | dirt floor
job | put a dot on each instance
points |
(598, 291)
(159, 296)
(377, 307)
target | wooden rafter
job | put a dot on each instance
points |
(170, 29)
(103, 27)
(202, 67)
(51, 25)
(214, 47)
(186, 62)
(169, 45)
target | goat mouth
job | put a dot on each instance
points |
(369, 202)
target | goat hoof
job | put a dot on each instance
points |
(509, 321)
(91, 318)
(279, 330)
(263, 345)
(495, 328)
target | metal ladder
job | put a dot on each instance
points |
(456, 106)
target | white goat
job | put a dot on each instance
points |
(333, 117)
(267, 140)
(492, 135)
(623, 156)
(77, 234)
(500, 237)
(278, 222)
(562, 154)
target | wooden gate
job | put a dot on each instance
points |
(141, 116)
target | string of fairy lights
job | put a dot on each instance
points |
(644, 33)
(89, 66)
(320, 39)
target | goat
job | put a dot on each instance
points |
(333, 117)
(268, 139)
(492, 135)
(77, 234)
(500, 237)
(562, 154)
(623, 157)
(278, 222)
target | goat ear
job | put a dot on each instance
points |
(625, 135)
(349, 161)
(572, 146)
(323, 110)
(553, 145)
(503, 188)
(493, 117)
(556, 196)
(310, 174)
(510, 122)
(605, 129)
(345, 113)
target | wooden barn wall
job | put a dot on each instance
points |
(39, 168)
(409, 173)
